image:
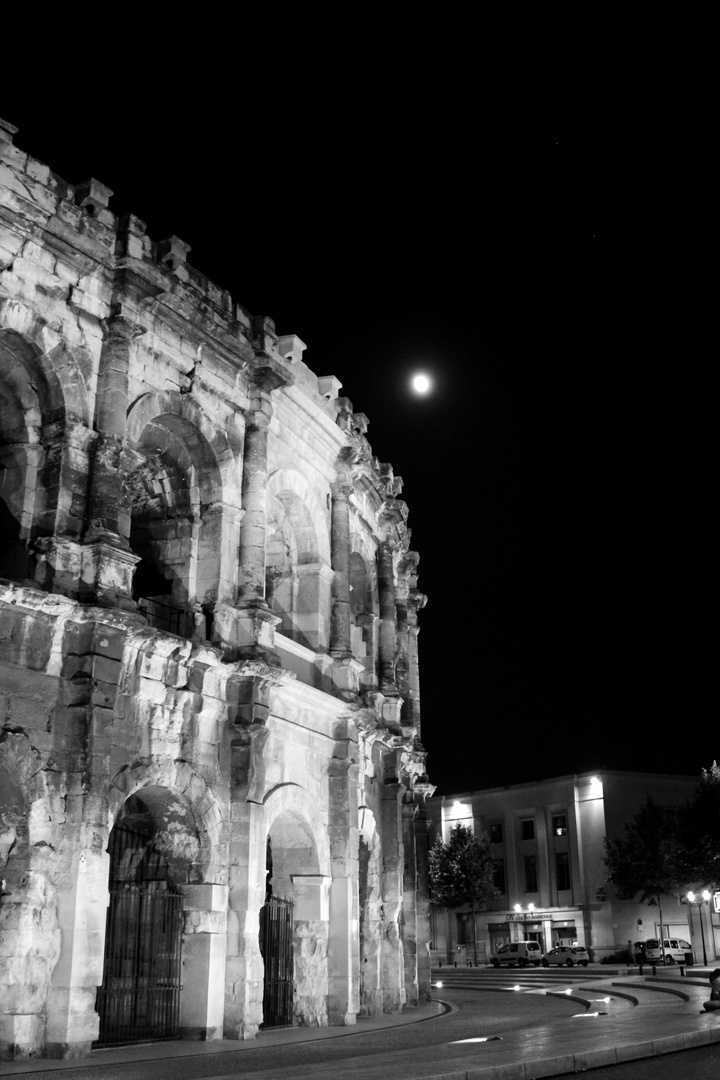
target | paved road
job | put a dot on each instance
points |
(493, 1018)
(702, 1064)
(473, 1015)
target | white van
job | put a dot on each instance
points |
(676, 951)
(521, 953)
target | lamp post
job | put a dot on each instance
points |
(519, 910)
(691, 900)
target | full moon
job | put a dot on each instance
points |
(421, 383)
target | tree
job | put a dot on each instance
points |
(643, 860)
(461, 873)
(699, 832)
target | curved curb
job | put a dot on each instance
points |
(657, 989)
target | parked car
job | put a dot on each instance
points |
(521, 953)
(677, 951)
(566, 954)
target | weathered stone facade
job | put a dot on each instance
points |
(208, 638)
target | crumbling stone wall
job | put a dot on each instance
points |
(208, 607)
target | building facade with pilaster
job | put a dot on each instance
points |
(212, 784)
(546, 839)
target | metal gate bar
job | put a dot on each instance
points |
(277, 950)
(140, 995)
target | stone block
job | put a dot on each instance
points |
(109, 641)
(22, 1035)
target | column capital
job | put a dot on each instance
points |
(119, 325)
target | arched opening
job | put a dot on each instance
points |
(174, 487)
(21, 419)
(292, 568)
(364, 616)
(154, 848)
(294, 927)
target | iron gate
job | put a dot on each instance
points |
(140, 995)
(276, 919)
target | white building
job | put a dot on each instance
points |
(547, 843)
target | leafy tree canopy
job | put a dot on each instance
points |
(699, 833)
(643, 859)
(461, 871)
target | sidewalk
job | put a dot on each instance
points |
(667, 1016)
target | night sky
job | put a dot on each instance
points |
(547, 268)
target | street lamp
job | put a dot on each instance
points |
(704, 900)
(519, 910)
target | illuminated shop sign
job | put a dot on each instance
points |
(529, 916)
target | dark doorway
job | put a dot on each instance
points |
(140, 995)
(276, 946)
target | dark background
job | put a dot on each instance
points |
(548, 267)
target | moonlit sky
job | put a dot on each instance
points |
(546, 270)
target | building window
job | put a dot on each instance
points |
(499, 875)
(562, 870)
(496, 833)
(464, 929)
(559, 825)
(527, 826)
(530, 874)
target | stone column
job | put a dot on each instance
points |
(422, 891)
(244, 972)
(202, 1002)
(409, 920)
(82, 899)
(346, 669)
(393, 974)
(248, 628)
(254, 487)
(414, 602)
(61, 505)
(344, 945)
(311, 946)
(108, 564)
(340, 556)
(388, 634)
(249, 698)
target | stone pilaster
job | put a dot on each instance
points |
(204, 953)
(244, 971)
(106, 504)
(414, 602)
(343, 949)
(422, 894)
(108, 565)
(388, 615)
(249, 628)
(340, 554)
(393, 972)
(82, 898)
(248, 697)
(409, 919)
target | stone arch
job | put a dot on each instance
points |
(43, 410)
(154, 850)
(299, 868)
(179, 471)
(297, 558)
(371, 914)
(179, 799)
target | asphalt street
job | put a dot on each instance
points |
(472, 1015)
(556, 1021)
